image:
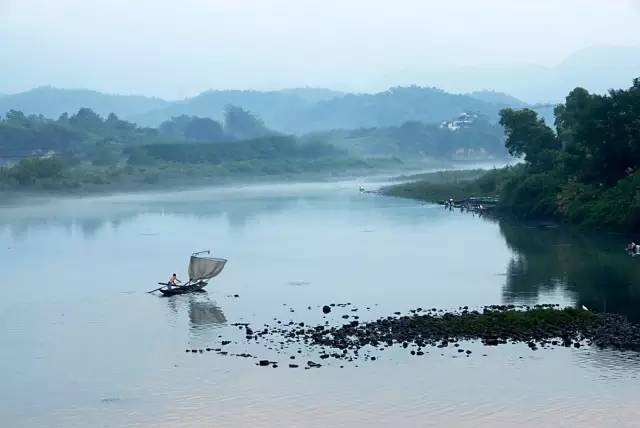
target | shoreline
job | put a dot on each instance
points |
(186, 183)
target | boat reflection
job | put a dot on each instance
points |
(203, 314)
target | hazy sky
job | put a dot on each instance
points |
(174, 48)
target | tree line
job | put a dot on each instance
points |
(586, 170)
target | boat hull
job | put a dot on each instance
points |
(184, 289)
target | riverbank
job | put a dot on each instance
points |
(93, 180)
(523, 195)
(445, 185)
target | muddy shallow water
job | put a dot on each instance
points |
(83, 345)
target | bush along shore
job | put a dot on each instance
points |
(585, 172)
(540, 327)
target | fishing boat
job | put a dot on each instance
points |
(201, 270)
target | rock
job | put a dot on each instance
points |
(225, 342)
(293, 366)
(438, 328)
(326, 309)
(263, 363)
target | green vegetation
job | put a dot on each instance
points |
(90, 151)
(85, 151)
(54, 174)
(443, 177)
(586, 172)
(475, 139)
(439, 186)
(535, 323)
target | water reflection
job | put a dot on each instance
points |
(90, 216)
(591, 270)
(203, 313)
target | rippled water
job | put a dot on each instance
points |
(84, 345)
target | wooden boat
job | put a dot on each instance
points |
(182, 289)
(201, 270)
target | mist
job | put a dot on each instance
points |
(178, 49)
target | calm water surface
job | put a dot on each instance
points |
(84, 345)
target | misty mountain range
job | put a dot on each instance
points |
(597, 69)
(295, 111)
(305, 110)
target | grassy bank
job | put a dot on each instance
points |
(54, 176)
(437, 186)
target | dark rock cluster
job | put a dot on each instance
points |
(540, 326)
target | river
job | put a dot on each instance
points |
(84, 345)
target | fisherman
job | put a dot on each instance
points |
(173, 281)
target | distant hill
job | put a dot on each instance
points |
(295, 111)
(52, 102)
(596, 68)
(302, 111)
(312, 95)
(499, 98)
(390, 108)
(467, 137)
(276, 108)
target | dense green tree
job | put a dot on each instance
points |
(243, 124)
(194, 128)
(600, 134)
(86, 119)
(528, 136)
(27, 171)
(204, 129)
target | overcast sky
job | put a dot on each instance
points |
(177, 48)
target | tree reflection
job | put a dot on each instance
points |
(89, 216)
(591, 269)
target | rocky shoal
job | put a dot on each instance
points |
(540, 326)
